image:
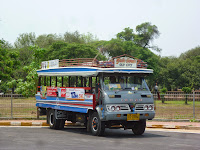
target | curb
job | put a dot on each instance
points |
(18, 123)
(173, 127)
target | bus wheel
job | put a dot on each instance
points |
(62, 124)
(53, 122)
(139, 127)
(97, 127)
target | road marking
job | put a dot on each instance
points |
(24, 127)
(175, 130)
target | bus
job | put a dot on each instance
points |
(98, 94)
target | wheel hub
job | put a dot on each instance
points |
(51, 119)
(95, 123)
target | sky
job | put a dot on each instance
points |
(178, 21)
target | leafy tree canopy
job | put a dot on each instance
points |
(8, 65)
(25, 40)
(18, 63)
(63, 50)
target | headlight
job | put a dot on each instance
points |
(113, 108)
(117, 107)
(146, 107)
(150, 107)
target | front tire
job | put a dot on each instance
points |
(97, 127)
(139, 127)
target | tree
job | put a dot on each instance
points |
(27, 87)
(145, 34)
(186, 90)
(126, 35)
(191, 54)
(45, 40)
(22, 45)
(73, 37)
(89, 38)
(113, 47)
(180, 72)
(8, 65)
(190, 68)
(163, 91)
(63, 50)
(76, 37)
(39, 54)
(25, 40)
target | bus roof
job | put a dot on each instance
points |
(89, 71)
(92, 67)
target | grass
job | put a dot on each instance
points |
(22, 107)
(25, 108)
(176, 110)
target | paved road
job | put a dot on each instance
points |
(23, 138)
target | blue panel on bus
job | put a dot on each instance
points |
(66, 108)
(126, 70)
(67, 70)
(59, 99)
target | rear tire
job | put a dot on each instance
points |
(139, 127)
(55, 123)
(62, 124)
(97, 127)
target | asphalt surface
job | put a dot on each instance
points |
(72, 138)
(150, 124)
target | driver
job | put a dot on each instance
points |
(122, 82)
(112, 79)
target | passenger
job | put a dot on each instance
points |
(122, 82)
(112, 79)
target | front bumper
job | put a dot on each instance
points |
(109, 116)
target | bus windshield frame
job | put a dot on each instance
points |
(124, 83)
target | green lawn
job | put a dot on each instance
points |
(22, 107)
(176, 110)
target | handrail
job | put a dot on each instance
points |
(93, 62)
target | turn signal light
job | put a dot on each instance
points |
(118, 115)
(111, 96)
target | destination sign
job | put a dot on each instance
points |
(125, 62)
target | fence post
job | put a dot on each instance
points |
(11, 105)
(38, 113)
(193, 104)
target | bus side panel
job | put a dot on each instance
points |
(61, 103)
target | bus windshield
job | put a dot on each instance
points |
(133, 83)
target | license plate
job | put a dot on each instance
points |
(133, 117)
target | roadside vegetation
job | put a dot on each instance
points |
(19, 62)
(176, 109)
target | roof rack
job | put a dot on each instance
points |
(93, 62)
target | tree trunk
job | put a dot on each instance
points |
(186, 100)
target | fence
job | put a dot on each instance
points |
(177, 105)
(171, 106)
(17, 106)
